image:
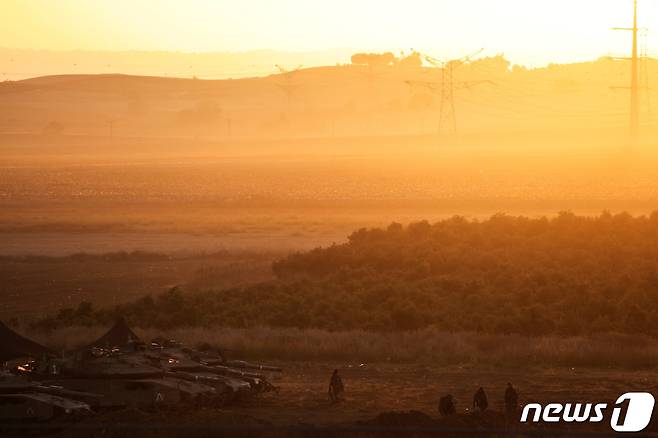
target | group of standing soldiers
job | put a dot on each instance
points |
(447, 403)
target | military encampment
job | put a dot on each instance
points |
(13, 346)
(328, 218)
(118, 370)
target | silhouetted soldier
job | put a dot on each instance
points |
(480, 400)
(336, 387)
(447, 405)
(511, 401)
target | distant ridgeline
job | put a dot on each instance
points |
(377, 94)
(565, 275)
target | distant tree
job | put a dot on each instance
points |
(373, 59)
(407, 317)
(565, 275)
(411, 61)
(492, 65)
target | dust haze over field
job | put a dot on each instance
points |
(252, 169)
(355, 144)
(303, 158)
(396, 214)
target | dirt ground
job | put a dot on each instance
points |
(375, 388)
(373, 393)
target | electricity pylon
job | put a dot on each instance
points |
(634, 85)
(447, 87)
(644, 70)
(288, 86)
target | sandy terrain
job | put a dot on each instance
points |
(371, 390)
(375, 388)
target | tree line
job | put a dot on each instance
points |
(564, 275)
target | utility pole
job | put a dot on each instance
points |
(288, 87)
(644, 71)
(446, 89)
(635, 98)
(447, 114)
(634, 86)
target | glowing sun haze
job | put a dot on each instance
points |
(527, 31)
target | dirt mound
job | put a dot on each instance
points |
(416, 419)
(401, 419)
(475, 420)
(184, 423)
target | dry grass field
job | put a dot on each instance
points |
(397, 372)
(33, 286)
(371, 390)
(82, 194)
(428, 347)
(375, 388)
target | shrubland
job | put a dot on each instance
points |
(567, 276)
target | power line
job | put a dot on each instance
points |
(634, 88)
(447, 87)
(644, 70)
(288, 86)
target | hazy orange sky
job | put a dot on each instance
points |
(531, 32)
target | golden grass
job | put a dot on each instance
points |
(424, 346)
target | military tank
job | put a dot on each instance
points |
(120, 370)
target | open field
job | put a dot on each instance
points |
(62, 243)
(38, 285)
(376, 388)
(83, 194)
(183, 198)
(428, 347)
(407, 173)
(402, 371)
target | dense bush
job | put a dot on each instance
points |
(566, 275)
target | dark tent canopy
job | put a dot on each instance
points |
(14, 346)
(120, 334)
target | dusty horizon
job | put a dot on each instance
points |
(19, 64)
(528, 33)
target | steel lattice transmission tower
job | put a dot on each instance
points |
(634, 85)
(447, 114)
(288, 86)
(644, 71)
(446, 89)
